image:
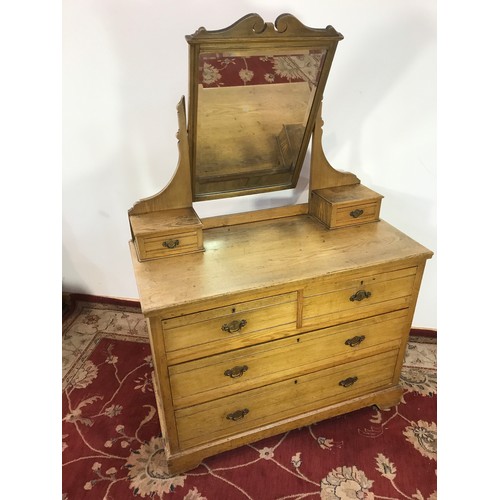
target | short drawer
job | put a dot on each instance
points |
(166, 233)
(343, 206)
(230, 327)
(333, 300)
(165, 245)
(251, 409)
(228, 373)
(356, 214)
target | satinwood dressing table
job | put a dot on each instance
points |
(266, 321)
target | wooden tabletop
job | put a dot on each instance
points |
(259, 255)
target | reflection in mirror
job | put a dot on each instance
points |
(253, 109)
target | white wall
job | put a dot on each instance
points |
(125, 69)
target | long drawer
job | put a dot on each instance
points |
(217, 376)
(288, 398)
(334, 300)
(248, 410)
(229, 327)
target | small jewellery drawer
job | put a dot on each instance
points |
(224, 374)
(286, 399)
(229, 327)
(165, 245)
(166, 233)
(357, 214)
(332, 300)
(345, 205)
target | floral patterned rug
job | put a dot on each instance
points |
(111, 435)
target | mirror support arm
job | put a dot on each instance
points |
(177, 193)
(322, 173)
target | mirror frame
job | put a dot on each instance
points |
(245, 34)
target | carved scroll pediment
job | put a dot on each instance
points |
(253, 26)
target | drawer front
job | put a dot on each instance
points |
(331, 301)
(228, 373)
(164, 245)
(251, 409)
(229, 327)
(356, 214)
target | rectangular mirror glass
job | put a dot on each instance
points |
(252, 106)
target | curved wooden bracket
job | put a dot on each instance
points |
(177, 194)
(323, 175)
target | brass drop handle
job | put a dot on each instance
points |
(170, 243)
(360, 295)
(235, 326)
(356, 213)
(354, 341)
(238, 414)
(236, 372)
(348, 381)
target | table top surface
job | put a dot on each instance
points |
(259, 255)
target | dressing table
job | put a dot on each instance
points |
(265, 321)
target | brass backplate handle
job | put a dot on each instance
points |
(235, 326)
(170, 243)
(360, 295)
(236, 372)
(238, 414)
(348, 381)
(354, 341)
(356, 213)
